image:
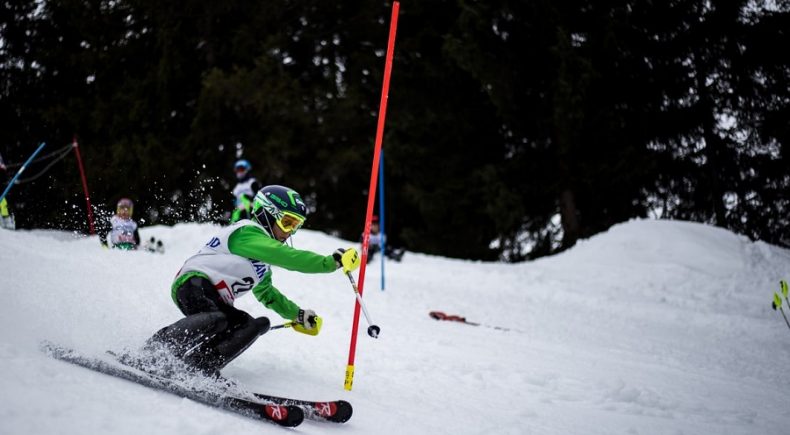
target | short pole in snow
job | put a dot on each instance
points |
(22, 169)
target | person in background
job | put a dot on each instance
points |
(237, 260)
(374, 243)
(6, 217)
(244, 191)
(122, 229)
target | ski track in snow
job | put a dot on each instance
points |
(654, 327)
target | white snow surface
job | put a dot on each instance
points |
(653, 327)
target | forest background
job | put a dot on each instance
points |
(514, 128)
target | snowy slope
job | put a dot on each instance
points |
(654, 327)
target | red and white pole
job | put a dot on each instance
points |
(372, 191)
(84, 186)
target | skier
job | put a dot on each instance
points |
(244, 191)
(121, 228)
(237, 260)
(375, 241)
(6, 217)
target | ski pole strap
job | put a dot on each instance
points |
(312, 331)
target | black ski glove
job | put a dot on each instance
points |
(306, 318)
(348, 259)
(338, 256)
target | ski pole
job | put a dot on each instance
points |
(777, 304)
(373, 330)
(283, 326)
(300, 328)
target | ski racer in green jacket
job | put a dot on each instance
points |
(237, 261)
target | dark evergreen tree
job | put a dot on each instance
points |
(514, 127)
(723, 148)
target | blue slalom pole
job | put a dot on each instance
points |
(22, 169)
(381, 216)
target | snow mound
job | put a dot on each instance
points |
(658, 327)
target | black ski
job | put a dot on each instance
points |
(336, 411)
(281, 414)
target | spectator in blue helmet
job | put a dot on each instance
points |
(244, 191)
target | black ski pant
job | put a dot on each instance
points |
(213, 333)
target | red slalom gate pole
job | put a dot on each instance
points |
(372, 192)
(84, 186)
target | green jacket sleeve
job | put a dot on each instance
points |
(271, 298)
(251, 242)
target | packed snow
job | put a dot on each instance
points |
(654, 327)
